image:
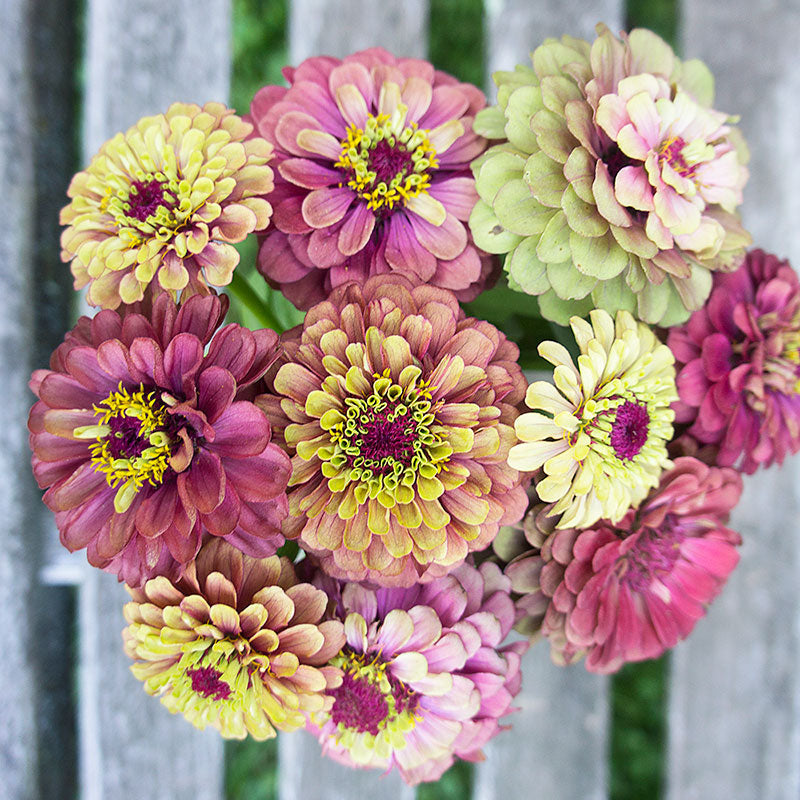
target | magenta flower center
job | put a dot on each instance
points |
(369, 699)
(653, 556)
(387, 162)
(671, 151)
(389, 438)
(615, 160)
(145, 197)
(629, 431)
(206, 682)
(359, 704)
(132, 442)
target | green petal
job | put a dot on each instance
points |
(487, 231)
(546, 179)
(568, 283)
(518, 211)
(600, 256)
(523, 103)
(553, 247)
(526, 272)
(580, 171)
(497, 169)
(490, 122)
(552, 135)
(582, 217)
(614, 295)
(557, 310)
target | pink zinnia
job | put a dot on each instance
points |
(372, 155)
(144, 438)
(627, 592)
(739, 365)
(425, 677)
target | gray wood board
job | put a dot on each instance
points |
(734, 716)
(516, 28)
(320, 27)
(557, 746)
(18, 558)
(141, 56)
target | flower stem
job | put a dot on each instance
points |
(244, 293)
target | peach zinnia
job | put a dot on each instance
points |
(398, 413)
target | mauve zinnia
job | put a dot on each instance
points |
(425, 677)
(627, 592)
(144, 438)
(160, 205)
(739, 366)
(617, 185)
(237, 643)
(398, 413)
(372, 156)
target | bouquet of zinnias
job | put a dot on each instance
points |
(336, 528)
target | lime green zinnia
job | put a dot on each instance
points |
(603, 434)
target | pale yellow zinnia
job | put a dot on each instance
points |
(602, 435)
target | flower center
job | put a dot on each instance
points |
(629, 430)
(386, 443)
(654, 555)
(206, 682)
(134, 439)
(672, 151)
(146, 205)
(369, 699)
(387, 162)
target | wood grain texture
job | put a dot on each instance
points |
(18, 558)
(734, 720)
(320, 27)
(557, 745)
(515, 28)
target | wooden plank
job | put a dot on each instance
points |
(318, 27)
(557, 745)
(142, 55)
(562, 728)
(734, 715)
(516, 28)
(321, 27)
(18, 696)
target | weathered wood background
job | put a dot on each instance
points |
(734, 713)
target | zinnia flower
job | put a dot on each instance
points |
(626, 592)
(237, 643)
(397, 411)
(372, 156)
(144, 438)
(602, 439)
(617, 185)
(425, 678)
(739, 365)
(159, 205)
